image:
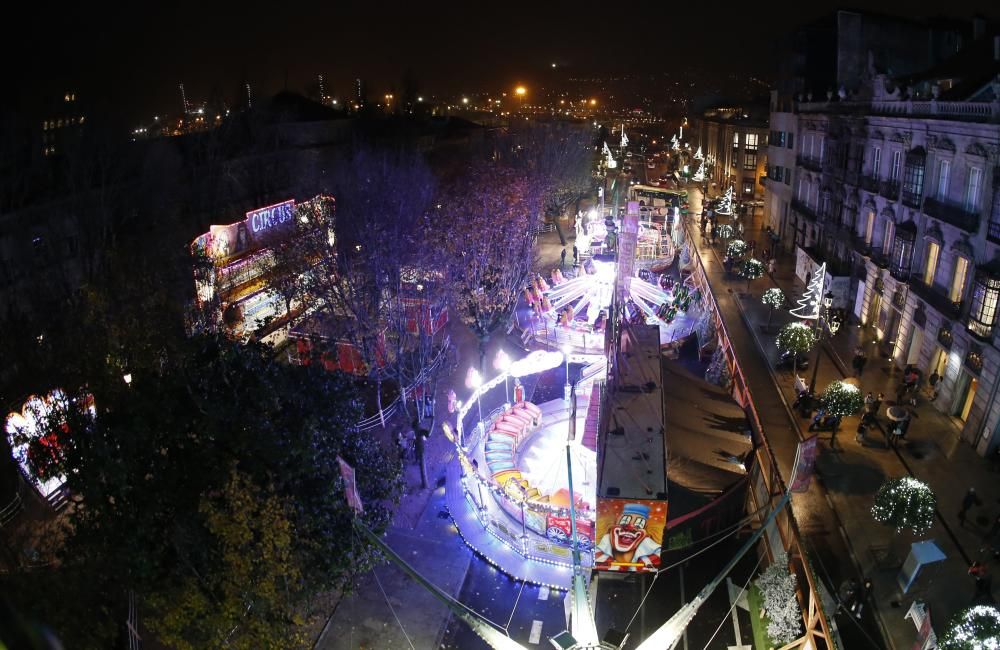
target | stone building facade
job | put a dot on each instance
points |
(734, 141)
(898, 195)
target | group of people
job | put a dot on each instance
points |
(534, 293)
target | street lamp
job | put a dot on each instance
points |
(567, 349)
(823, 323)
(502, 363)
(474, 380)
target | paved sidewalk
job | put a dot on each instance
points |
(932, 453)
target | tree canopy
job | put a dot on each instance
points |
(209, 486)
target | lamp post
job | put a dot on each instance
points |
(474, 380)
(823, 323)
(567, 349)
(502, 363)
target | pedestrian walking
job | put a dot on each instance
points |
(770, 267)
(401, 445)
(984, 583)
(576, 256)
(970, 499)
(859, 362)
(862, 430)
(420, 436)
(562, 259)
(869, 401)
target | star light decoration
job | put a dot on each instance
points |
(905, 503)
(974, 628)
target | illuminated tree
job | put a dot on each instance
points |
(751, 269)
(489, 254)
(973, 628)
(905, 504)
(773, 298)
(736, 249)
(797, 338)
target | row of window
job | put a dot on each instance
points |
(782, 139)
(779, 174)
(61, 122)
(813, 147)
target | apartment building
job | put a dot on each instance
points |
(734, 141)
(895, 187)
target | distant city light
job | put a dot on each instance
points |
(465, 100)
(520, 91)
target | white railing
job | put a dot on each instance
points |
(377, 420)
(966, 110)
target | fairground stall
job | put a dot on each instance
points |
(234, 268)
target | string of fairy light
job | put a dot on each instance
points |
(905, 503)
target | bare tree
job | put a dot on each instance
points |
(492, 213)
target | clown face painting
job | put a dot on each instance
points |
(629, 544)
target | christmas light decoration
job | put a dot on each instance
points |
(777, 586)
(906, 503)
(751, 269)
(810, 302)
(718, 370)
(699, 175)
(974, 628)
(726, 206)
(725, 231)
(842, 399)
(736, 248)
(773, 298)
(698, 155)
(796, 337)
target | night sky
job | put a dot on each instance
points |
(132, 59)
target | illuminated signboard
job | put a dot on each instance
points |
(264, 219)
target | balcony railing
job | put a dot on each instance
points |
(900, 272)
(956, 215)
(936, 299)
(971, 111)
(803, 208)
(869, 184)
(993, 234)
(812, 164)
(889, 189)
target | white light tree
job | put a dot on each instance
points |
(809, 303)
(699, 175)
(674, 143)
(698, 155)
(726, 206)
(777, 587)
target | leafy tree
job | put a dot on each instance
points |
(157, 477)
(248, 601)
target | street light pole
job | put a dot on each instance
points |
(566, 352)
(823, 324)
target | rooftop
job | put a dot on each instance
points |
(632, 457)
